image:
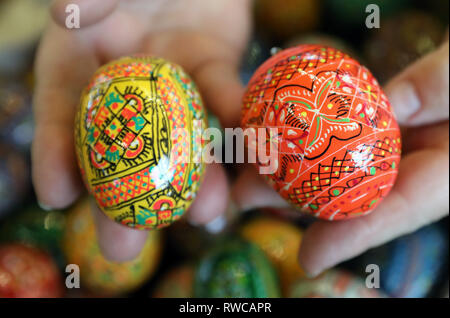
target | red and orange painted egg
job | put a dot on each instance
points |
(27, 272)
(336, 139)
(138, 141)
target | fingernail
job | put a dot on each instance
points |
(312, 275)
(44, 207)
(217, 225)
(404, 100)
(308, 274)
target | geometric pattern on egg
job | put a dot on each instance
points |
(337, 138)
(142, 173)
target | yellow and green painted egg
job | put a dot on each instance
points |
(97, 274)
(138, 140)
(280, 241)
(235, 269)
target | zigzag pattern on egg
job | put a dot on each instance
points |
(126, 153)
(338, 141)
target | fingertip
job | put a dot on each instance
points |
(212, 198)
(309, 258)
(419, 95)
(118, 243)
(404, 99)
(90, 11)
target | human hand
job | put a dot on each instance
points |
(420, 99)
(205, 37)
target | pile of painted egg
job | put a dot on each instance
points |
(334, 139)
(337, 144)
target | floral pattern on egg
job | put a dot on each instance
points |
(338, 143)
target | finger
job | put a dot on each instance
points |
(213, 64)
(212, 197)
(420, 94)
(250, 191)
(62, 68)
(91, 11)
(419, 197)
(429, 136)
(117, 242)
(223, 94)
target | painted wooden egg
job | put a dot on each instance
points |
(334, 140)
(411, 265)
(27, 272)
(334, 283)
(280, 240)
(235, 269)
(36, 227)
(138, 141)
(99, 275)
(177, 283)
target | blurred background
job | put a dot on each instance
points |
(237, 252)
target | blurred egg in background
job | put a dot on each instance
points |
(235, 269)
(27, 272)
(333, 283)
(100, 275)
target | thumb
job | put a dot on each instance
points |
(420, 94)
(91, 11)
(118, 243)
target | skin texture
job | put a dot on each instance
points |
(205, 38)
